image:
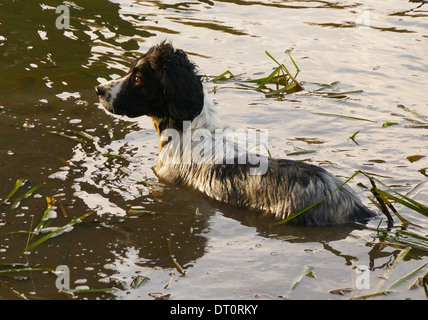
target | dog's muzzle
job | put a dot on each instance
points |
(100, 90)
(107, 93)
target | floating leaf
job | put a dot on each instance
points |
(111, 156)
(300, 152)
(389, 123)
(415, 158)
(137, 210)
(340, 291)
(159, 296)
(138, 281)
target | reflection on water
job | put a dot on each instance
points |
(368, 59)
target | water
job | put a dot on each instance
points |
(375, 51)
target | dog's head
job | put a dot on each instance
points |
(163, 83)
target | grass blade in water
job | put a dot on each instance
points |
(342, 116)
(407, 202)
(174, 260)
(412, 112)
(28, 269)
(18, 184)
(227, 75)
(400, 237)
(314, 204)
(407, 277)
(44, 219)
(10, 289)
(84, 135)
(391, 269)
(59, 230)
(306, 272)
(66, 136)
(268, 78)
(25, 195)
(374, 294)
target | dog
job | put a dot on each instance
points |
(166, 86)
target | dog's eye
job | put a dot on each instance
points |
(137, 80)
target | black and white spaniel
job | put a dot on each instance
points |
(194, 150)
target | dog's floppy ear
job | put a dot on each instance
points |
(184, 97)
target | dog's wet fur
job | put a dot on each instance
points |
(166, 86)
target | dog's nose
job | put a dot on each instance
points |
(100, 90)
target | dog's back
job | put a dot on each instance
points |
(286, 188)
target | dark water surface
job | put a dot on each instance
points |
(365, 60)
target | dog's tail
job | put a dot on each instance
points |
(362, 213)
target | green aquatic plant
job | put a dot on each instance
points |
(380, 289)
(342, 116)
(58, 231)
(15, 188)
(284, 80)
(383, 197)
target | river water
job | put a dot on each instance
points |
(364, 69)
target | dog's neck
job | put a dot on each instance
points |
(207, 119)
